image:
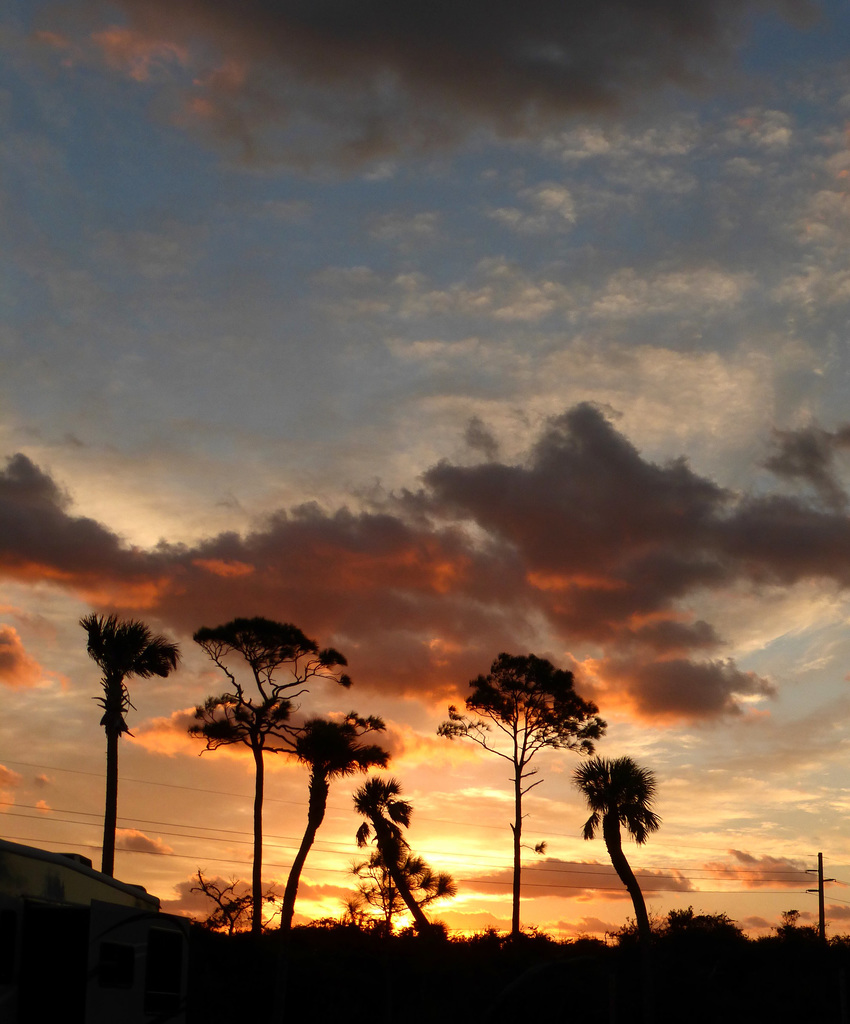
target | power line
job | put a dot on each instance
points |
(334, 807)
(504, 883)
(590, 869)
(473, 881)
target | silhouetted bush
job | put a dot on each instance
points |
(707, 971)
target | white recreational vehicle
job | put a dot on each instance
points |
(77, 946)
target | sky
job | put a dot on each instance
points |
(437, 330)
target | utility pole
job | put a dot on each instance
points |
(819, 891)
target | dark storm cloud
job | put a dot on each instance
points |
(412, 600)
(585, 535)
(609, 536)
(808, 455)
(507, 63)
(41, 536)
(679, 688)
(587, 53)
(479, 439)
(668, 635)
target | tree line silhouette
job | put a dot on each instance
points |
(522, 706)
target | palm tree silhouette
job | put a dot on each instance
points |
(331, 751)
(378, 801)
(121, 648)
(620, 792)
(376, 888)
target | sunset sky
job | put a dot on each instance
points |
(439, 330)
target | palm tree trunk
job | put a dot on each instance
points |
(420, 920)
(257, 868)
(315, 816)
(613, 841)
(110, 814)
(389, 851)
(516, 828)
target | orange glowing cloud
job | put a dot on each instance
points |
(135, 54)
(585, 542)
(108, 591)
(17, 668)
(541, 580)
(170, 736)
(224, 569)
(411, 749)
(134, 841)
(167, 735)
(9, 780)
(421, 561)
(580, 880)
(761, 872)
(53, 39)
(140, 594)
(673, 689)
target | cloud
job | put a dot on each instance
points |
(17, 668)
(580, 543)
(382, 76)
(756, 923)
(580, 880)
(133, 840)
(411, 749)
(168, 735)
(196, 904)
(549, 207)
(628, 294)
(44, 541)
(760, 872)
(496, 290)
(677, 688)
(9, 779)
(480, 439)
(808, 455)
(460, 921)
(588, 926)
(134, 54)
(405, 230)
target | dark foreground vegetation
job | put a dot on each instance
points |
(705, 971)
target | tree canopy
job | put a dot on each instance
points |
(282, 661)
(522, 706)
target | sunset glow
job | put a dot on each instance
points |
(437, 344)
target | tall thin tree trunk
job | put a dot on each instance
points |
(613, 841)
(319, 788)
(516, 828)
(110, 814)
(257, 868)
